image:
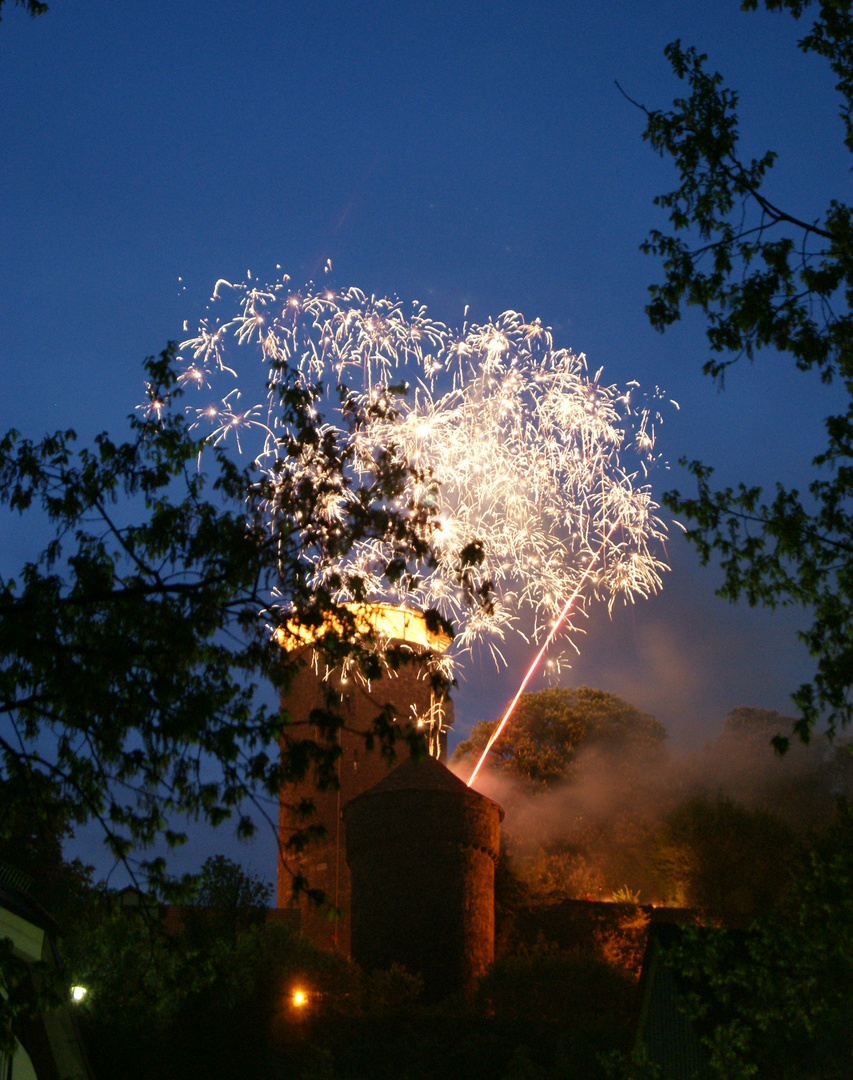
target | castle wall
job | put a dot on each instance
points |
(323, 863)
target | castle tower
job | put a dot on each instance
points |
(409, 690)
(422, 849)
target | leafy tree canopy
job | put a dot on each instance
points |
(723, 857)
(541, 742)
(33, 826)
(130, 648)
(765, 277)
(34, 7)
(779, 1001)
(747, 720)
(227, 901)
(774, 1000)
(223, 883)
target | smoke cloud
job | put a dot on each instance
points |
(610, 826)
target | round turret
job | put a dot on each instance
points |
(422, 848)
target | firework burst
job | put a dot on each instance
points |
(514, 448)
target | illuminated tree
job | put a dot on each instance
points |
(552, 732)
(766, 278)
(550, 727)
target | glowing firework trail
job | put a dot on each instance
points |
(558, 622)
(506, 441)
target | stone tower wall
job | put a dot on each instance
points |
(422, 864)
(323, 863)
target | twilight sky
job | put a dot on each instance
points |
(470, 152)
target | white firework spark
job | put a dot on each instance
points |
(512, 444)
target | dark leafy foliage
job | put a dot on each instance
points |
(778, 1000)
(33, 826)
(175, 1005)
(225, 884)
(773, 1000)
(767, 278)
(725, 858)
(34, 7)
(130, 649)
(132, 646)
(169, 1006)
(228, 900)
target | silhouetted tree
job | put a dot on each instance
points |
(130, 647)
(723, 857)
(33, 828)
(34, 7)
(228, 900)
(767, 278)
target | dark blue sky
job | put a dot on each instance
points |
(457, 153)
